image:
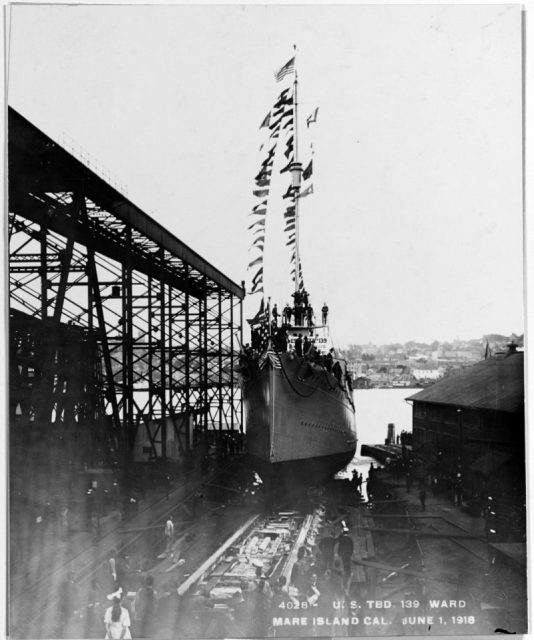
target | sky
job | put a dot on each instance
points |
(414, 230)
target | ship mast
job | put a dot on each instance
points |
(296, 172)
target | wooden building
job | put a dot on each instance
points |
(470, 428)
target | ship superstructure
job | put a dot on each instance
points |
(297, 394)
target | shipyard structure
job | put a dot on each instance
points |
(131, 493)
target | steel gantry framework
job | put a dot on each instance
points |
(156, 327)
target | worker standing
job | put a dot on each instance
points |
(169, 534)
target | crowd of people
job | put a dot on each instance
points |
(301, 311)
(302, 347)
(122, 603)
(318, 578)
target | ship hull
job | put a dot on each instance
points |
(300, 421)
(309, 471)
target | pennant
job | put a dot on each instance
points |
(263, 183)
(261, 193)
(312, 117)
(283, 99)
(269, 159)
(259, 206)
(257, 288)
(289, 149)
(290, 121)
(275, 123)
(307, 171)
(266, 121)
(264, 173)
(260, 222)
(289, 67)
(258, 275)
(306, 192)
(290, 225)
(287, 167)
(289, 212)
(281, 114)
(290, 241)
(257, 283)
(275, 134)
(259, 240)
(259, 212)
(258, 260)
(289, 192)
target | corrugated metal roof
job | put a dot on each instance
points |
(496, 383)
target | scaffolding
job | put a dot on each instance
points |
(113, 320)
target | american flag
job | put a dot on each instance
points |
(289, 67)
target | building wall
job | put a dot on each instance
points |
(466, 432)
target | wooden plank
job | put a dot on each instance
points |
(424, 534)
(409, 572)
(398, 515)
(370, 545)
(303, 533)
(358, 575)
(222, 486)
(194, 577)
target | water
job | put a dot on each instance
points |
(375, 409)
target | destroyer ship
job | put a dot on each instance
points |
(297, 395)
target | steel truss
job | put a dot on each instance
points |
(160, 324)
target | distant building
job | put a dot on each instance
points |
(473, 424)
(428, 371)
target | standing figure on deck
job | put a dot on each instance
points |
(329, 360)
(299, 571)
(117, 621)
(275, 315)
(422, 496)
(309, 315)
(302, 313)
(68, 603)
(112, 565)
(326, 546)
(144, 608)
(169, 534)
(345, 548)
(296, 312)
(324, 312)
(298, 346)
(288, 312)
